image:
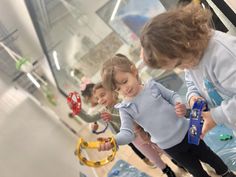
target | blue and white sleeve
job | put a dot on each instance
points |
(191, 88)
(169, 95)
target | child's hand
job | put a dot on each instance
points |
(193, 99)
(208, 124)
(106, 116)
(105, 145)
(180, 109)
(94, 126)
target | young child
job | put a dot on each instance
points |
(183, 38)
(160, 112)
(112, 119)
(142, 139)
(88, 117)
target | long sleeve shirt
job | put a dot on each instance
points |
(218, 65)
(153, 109)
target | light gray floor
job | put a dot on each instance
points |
(33, 144)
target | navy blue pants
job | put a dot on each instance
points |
(190, 155)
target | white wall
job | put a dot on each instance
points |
(14, 15)
(34, 143)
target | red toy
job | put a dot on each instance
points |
(74, 102)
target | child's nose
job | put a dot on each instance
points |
(99, 101)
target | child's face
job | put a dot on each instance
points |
(104, 97)
(127, 83)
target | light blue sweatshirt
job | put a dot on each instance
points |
(153, 109)
(218, 65)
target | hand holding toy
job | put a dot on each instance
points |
(95, 145)
(196, 121)
(74, 102)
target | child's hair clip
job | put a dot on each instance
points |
(84, 82)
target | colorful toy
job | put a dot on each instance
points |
(74, 102)
(94, 145)
(225, 137)
(196, 121)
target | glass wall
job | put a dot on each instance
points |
(78, 36)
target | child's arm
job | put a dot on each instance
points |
(173, 98)
(192, 92)
(224, 70)
(107, 117)
(169, 95)
(209, 123)
(126, 134)
(88, 118)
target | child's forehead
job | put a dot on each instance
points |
(121, 73)
(99, 90)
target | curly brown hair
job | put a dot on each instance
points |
(182, 33)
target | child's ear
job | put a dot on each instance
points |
(134, 70)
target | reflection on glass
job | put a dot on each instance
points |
(80, 37)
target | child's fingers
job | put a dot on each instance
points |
(180, 109)
(208, 124)
(105, 146)
(180, 114)
(101, 147)
(177, 103)
(180, 106)
(177, 106)
(101, 139)
(94, 127)
(106, 116)
(204, 131)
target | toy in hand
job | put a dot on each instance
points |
(94, 145)
(74, 102)
(196, 121)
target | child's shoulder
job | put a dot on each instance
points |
(153, 82)
(123, 104)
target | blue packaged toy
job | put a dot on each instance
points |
(196, 121)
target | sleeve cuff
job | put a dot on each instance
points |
(189, 95)
(177, 99)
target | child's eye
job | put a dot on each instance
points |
(117, 89)
(124, 82)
